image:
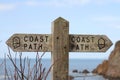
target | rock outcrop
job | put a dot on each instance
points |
(85, 71)
(75, 71)
(102, 68)
(114, 62)
(111, 67)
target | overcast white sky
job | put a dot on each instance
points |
(84, 16)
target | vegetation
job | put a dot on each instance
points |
(24, 71)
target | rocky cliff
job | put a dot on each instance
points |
(101, 68)
(111, 67)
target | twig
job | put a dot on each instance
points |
(28, 63)
(10, 57)
(1, 63)
(5, 66)
(37, 72)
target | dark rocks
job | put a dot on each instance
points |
(85, 71)
(75, 71)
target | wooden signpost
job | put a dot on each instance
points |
(59, 43)
(30, 42)
(89, 43)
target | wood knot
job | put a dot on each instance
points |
(57, 38)
(65, 47)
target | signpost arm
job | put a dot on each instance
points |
(60, 48)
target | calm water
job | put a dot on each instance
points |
(79, 64)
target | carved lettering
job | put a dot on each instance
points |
(81, 47)
(25, 45)
(34, 42)
(35, 38)
(40, 47)
(34, 46)
(77, 47)
(46, 38)
(30, 46)
(82, 39)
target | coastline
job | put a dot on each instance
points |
(79, 64)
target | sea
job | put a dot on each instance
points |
(74, 64)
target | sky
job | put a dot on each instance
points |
(35, 17)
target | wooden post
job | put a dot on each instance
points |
(60, 49)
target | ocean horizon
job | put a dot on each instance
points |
(74, 64)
